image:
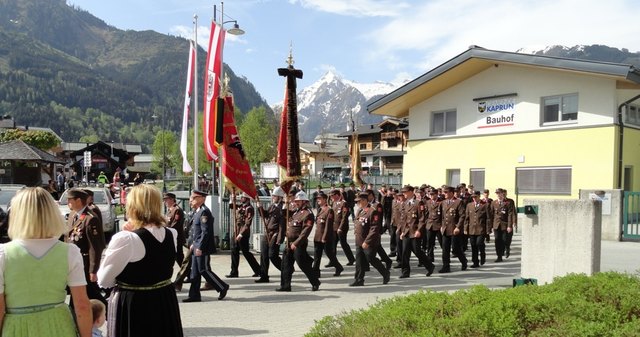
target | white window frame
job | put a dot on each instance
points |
(446, 129)
(545, 180)
(632, 115)
(453, 177)
(563, 109)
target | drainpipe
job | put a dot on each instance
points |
(621, 138)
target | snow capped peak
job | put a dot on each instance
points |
(370, 90)
(330, 77)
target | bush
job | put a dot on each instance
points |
(605, 304)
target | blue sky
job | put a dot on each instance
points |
(375, 40)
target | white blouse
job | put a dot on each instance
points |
(126, 247)
(38, 248)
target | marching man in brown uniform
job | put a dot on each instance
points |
(433, 222)
(453, 214)
(396, 225)
(86, 233)
(298, 229)
(411, 232)
(324, 237)
(502, 212)
(476, 227)
(367, 232)
(175, 220)
(273, 234)
(341, 225)
(244, 217)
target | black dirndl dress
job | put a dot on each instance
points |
(144, 301)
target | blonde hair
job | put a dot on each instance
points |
(97, 309)
(144, 206)
(35, 215)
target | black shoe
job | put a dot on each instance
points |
(255, 275)
(231, 276)
(444, 270)
(284, 289)
(404, 276)
(351, 263)
(386, 278)
(507, 254)
(328, 265)
(389, 264)
(430, 270)
(475, 265)
(357, 283)
(262, 280)
(499, 259)
(420, 265)
(464, 266)
(189, 300)
(316, 286)
(223, 293)
(397, 266)
(392, 254)
(338, 272)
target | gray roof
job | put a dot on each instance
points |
(624, 71)
(21, 151)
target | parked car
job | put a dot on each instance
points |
(7, 192)
(102, 198)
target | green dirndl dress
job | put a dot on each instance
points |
(35, 292)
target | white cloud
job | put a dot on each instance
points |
(357, 8)
(438, 30)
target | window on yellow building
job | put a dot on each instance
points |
(543, 180)
(561, 108)
(476, 178)
(633, 115)
(443, 123)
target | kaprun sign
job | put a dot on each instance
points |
(497, 112)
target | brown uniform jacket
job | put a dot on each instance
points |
(396, 210)
(175, 216)
(477, 219)
(341, 214)
(300, 225)
(324, 225)
(96, 210)
(453, 214)
(433, 215)
(502, 214)
(365, 227)
(413, 216)
(244, 218)
(86, 233)
(275, 219)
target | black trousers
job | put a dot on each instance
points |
(243, 245)
(384, 257)
(185, 268)
(201, 267)
(477, 248)
(507, 242)
(500, 240)
(447, 242)
(364, 257)
(413, 245)
(393, 240)
(432, 235)
(330, 250)
(269, 251)
(300, 256)
(342, 238)
(398, 248)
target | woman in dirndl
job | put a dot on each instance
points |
(138, 264)
(36, 268)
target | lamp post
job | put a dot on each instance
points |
(164, 152)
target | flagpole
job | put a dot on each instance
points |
(195, 105)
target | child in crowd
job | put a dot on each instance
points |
(99, 317)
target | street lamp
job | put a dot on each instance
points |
(164, 153)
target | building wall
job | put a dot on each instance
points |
(596, 95)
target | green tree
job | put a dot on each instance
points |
(43, 140)
(165, 148)
(258, 137)
(89, 139)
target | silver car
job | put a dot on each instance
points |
(102, 198)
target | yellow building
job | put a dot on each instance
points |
(534, 125)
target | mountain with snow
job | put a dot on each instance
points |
(329, 104)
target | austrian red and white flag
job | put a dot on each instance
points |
(213, 73)
(186, 168)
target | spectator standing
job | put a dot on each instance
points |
(36, 269)
(139, 264)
